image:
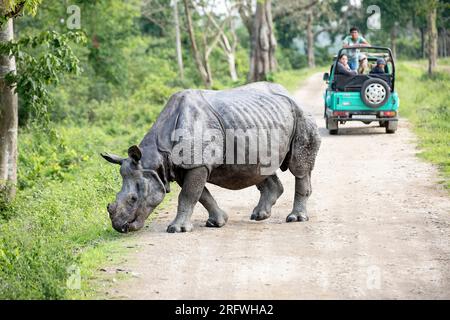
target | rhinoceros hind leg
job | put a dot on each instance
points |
(217, 217)
(302, 193)
(271, 189)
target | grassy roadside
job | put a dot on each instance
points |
(292, 79)
(57, 228)
(424, 100)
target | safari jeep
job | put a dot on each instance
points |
(363, 97)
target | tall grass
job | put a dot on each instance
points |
(424, 100)
(64, 186)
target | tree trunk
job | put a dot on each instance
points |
(262, 56)
(432, 41)
(310, 39)
(8, 120)
(178, 39)
(232, 67)
(394, 41)
(442, 43)
(201, 62)
(245, 12)
(445, 42)
(230, 52)
(422, 42)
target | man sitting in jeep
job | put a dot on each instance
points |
(380, 67)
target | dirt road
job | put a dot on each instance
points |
(379, 228)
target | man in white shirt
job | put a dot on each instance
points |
(351, 41)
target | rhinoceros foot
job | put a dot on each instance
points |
(259, 215)
(217, 219)
(180, 227)
(293, 217)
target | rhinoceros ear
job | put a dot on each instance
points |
(112, 158)
(134, 152)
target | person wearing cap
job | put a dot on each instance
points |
(380, 67)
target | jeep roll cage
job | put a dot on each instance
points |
(354, 83)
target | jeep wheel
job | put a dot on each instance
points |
(391, 126)
(332, 125)
(375, 92)
(333, 132)
(382, 123)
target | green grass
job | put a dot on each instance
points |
(58, 220)
(292, 79)
(424, 100)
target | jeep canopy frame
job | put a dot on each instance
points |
(366, 50)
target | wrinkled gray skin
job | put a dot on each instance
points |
(150, 168)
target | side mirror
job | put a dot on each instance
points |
(326, 76)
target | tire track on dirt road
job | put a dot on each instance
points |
(379, 228)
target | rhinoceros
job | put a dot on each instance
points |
(175, 150)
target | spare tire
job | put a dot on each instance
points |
(375, 92)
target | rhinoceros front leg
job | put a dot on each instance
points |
(271, 189)
(302, 192)
(193, 184)
(217, 217)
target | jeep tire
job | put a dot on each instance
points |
(375, 93)
(391, 126)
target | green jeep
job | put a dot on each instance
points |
(362, 97)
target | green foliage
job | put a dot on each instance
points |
(409, 48)
(424, 101)
(37, 69)
(60, 210)
(49, 223)
(109, 39)
(14, 8)
(292, 79)
(64, 185)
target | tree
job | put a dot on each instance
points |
(394, 13)
(432, 37)
(306, 16)
(160, 19)
(8, 98)
(228, 44)
(210, 37)
(263, 43)
(201, 60)
(34, 73)
(8, 119)
(310, 38)
(428, 10)
(178, 39)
